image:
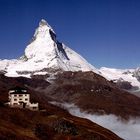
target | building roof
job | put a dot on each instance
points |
(18, 90)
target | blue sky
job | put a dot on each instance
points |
(105, 32)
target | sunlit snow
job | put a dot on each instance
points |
(46, 52)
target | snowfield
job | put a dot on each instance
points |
(119, 74)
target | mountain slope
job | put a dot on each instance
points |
(53, 124)
(90, 92)
(119, 76)
(93, 93)
(16, 125)
(45, 52)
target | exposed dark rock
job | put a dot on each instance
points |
(53, 35)
(137, 74)
(124, 85)
(65, 127)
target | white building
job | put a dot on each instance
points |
(20, 98)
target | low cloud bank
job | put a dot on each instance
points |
(128, 130)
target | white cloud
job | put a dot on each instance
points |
(128, 130)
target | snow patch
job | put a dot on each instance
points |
(116, 74)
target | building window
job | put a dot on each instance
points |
(25, 94)
(34, 107)
(15, 99)
(20, 99)
(20, 95)
(15, 104)
(20, 103)
(26, 99)
(15, 95)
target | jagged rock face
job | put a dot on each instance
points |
(45, 52)
(137, 74)
(124, 85)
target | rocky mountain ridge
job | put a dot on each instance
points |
(45, 55)
(45, 52)
(128, 79)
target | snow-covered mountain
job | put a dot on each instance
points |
(119, 75)
(45, 52)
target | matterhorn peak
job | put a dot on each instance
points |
(46, 52)
(43, 31)
(43, 22)
(43, 43)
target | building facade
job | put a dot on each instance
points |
(20, 98)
